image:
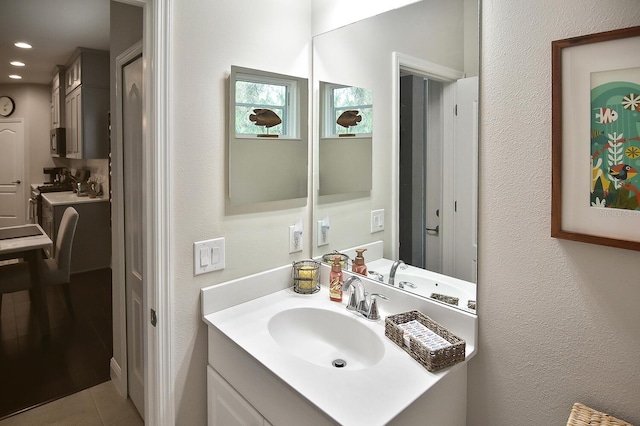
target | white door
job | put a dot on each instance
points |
(466, 183)
(132, 144)
(13, 193)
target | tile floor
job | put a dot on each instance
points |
(100, 405)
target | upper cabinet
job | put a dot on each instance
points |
(57, 98)
(87, 104)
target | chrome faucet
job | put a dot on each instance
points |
(392, 272)
(358, 301)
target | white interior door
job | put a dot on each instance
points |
(13, 195)
(465, 182)
(132, 144)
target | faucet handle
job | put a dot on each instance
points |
(373, 314)
(377, 275)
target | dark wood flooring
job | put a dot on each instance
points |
(77, 355)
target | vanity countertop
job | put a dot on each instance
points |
(385, 389)
(69, 197)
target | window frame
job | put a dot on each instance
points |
(328, 111)
(291, 128)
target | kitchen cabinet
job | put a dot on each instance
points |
(57, 97)
(92, 241)
(87, 104)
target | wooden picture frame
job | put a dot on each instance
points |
(596, 144)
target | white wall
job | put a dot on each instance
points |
(559, 320)
(330, 14)
(207, 38)
(33, 105)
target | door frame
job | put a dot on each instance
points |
(432, 71)
(157, 253)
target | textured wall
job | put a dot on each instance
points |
(208, 37)
(559, 320)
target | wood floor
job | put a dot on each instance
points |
(77, 356)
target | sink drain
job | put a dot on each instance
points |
(339, 363)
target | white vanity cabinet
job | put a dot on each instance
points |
(87, 104)
(252, 379)
(92, 241)
(227, 407)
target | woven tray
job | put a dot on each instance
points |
(581, 415)
(432, 360)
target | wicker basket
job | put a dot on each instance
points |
(581, 415)
(432, 360)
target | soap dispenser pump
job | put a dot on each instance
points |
(335, 281)
(358, 264)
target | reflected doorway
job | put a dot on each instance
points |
(438, 174)
(420, 174)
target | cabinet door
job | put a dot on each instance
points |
(226, 406)
(74, 75)
(73, 108)
(55, 108)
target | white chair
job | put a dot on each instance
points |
(54, 271)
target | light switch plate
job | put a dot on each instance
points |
(377, 220)
(208, 256)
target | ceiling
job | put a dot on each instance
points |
(54, 29)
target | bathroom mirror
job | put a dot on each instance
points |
(433, 46)
(267, 136)
(346, 126)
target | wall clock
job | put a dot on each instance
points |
(7, 105)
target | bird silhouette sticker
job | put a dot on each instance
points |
(615, 139)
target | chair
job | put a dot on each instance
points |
(55, 271)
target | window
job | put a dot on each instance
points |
(339, 99)
(265, 105)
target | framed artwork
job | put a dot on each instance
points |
(595, 187)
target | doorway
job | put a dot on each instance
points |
(436, 167)
(129, 80)
(421, 172)
(13, 195)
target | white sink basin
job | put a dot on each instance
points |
(326, 338)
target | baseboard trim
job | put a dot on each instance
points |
(117, 379)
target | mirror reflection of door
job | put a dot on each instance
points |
(132, 148)
(437, 237)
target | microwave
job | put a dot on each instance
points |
(57, 142)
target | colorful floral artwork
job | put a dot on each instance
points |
(615, 139)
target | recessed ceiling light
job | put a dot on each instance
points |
(17, 63)
(22, 45)
(15, 76)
